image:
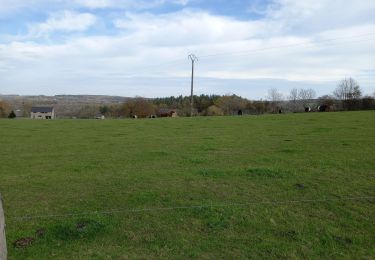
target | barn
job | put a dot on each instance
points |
(166, 112)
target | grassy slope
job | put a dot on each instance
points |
(57, 167)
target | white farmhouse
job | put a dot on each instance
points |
(42, 113)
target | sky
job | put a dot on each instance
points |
(141, 47)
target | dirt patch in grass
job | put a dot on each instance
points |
(24, 242)
(40, 233)
(300, 186)
(80, 229)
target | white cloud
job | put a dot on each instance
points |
(9, 6)
(94, 3)
(124, 4)
(189, 28)
(126, 63)
(313, 15)
(67, 21)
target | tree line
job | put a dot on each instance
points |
(347, 96)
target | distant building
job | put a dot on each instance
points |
(18, 113)
(166, 112)
(42, 113)
(100, 116)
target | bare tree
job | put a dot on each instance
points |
(88, 111)
(293, 99)
(306, 95)
(347, 89)
(275, 98)
(274, 95)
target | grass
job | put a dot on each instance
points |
(86, 166)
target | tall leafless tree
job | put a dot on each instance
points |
(293, 99)
(347, 89)
(275, 97)
(306, 95)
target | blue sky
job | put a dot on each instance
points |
(130, 48)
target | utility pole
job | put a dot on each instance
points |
(193, 59)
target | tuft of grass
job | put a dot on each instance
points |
(212, 173)
(80, 229)
(289, 151)
(264, 173)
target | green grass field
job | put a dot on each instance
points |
(234, 167)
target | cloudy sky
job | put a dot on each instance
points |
(140, 47)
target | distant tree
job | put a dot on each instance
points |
(274, 95)
(139, 107)
(88, 111)
(349, 92)
(184, 107)
(4, 109)
(202, 103)
(293, 99)
(12, 115)
(104, 110)
(214, 111)
(347, 89)
(143, 108)
(305, 96)
(260, 106)
(275, 98)
(26, 108)
(128, 108)
(326, 100)
(368, 102)
(230, 104)
(182, 104)
(250, 107)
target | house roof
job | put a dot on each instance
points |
(166, 110)
(41, 109)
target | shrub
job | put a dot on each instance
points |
(12, 115)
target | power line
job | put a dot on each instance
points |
(288, 45)
(155, 209)
(247, 52)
